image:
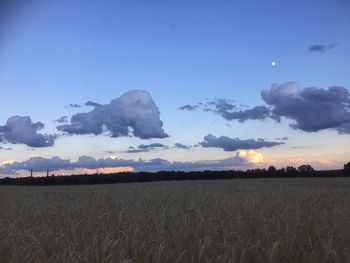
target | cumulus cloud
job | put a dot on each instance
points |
(312, 109)
(233, 144)
(252, 157)
(146, 148)
(41, 164)
(321, 48)
(133, 113)
(21, 130)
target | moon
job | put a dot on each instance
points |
(273, 63)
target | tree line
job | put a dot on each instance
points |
(129, 177)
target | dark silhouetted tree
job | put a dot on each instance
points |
(347, 168)
(281, 171)
(272, 170)
(290, 170)
(306, 169)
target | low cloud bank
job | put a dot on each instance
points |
(41, 164)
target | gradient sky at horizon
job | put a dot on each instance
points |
(58, 53)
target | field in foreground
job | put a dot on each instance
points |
(248, 220)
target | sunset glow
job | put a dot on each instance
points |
(252, 157)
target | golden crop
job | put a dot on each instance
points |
(246, 220)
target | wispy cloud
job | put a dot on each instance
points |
(234, 144)
(74, 105)
(285, 138)
(188, 107)
(229, 111)
(322, 48)
(62, 119)
(92, 104)
(5, 148)
(181, 146)
(146, 148)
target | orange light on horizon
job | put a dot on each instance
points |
(110, 170)
(104, 170)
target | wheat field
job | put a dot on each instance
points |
(246, 220)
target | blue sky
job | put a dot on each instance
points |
(57, 53)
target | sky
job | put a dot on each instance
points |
(99, 86)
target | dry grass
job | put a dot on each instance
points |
(261, 220)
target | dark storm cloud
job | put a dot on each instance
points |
(321, 48)
(63, 119)
(181, 146)
(21, 130)
(133, 113)
(146, 148)
(233, 144)
(92, 104)
(312, 109)
(40, 164)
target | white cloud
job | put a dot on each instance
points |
(133, 113)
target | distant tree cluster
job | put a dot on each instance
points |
(128, 177)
